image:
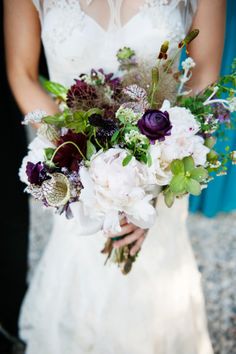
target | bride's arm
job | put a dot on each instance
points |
(22, 42)
(207, 48)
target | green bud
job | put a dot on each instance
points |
(210, 142)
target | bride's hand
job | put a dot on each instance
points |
(135, 235)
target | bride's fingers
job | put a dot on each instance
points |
(129, 239)
(123, 221)
(126, 229)
(137, 245)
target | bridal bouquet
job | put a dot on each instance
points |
(118, 142)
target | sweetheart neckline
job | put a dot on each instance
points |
(108, 31)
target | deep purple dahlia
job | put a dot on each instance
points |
(155, 125)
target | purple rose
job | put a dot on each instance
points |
(36, 173)
(155, 125)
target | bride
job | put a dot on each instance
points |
(75, 305)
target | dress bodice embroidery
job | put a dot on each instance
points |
(78, 35)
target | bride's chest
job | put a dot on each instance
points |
(70, 34)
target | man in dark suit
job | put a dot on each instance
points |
(14, 215)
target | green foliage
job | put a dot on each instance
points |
(58, 90)
(169, 197)
(91, 150)
(76, 121)
(187, 179)
(127, 160)
(48, 152)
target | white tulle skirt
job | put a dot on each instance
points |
(76, 305)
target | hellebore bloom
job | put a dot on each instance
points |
(36, 173)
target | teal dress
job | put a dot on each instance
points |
(220, 196)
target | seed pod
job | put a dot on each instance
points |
(56, 190)
(189, 38)
(164, 50)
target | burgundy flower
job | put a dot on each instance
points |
(68, 155)
(36, 173)
(80, 91)
(155, 125)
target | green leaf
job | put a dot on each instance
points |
(91, 150)
(210, 142)
(58, 120)
(200, 174)
(56, 89)
(177, 184)
(149, 159)
(212, 156)
(115, 136)
(48, 153)
(188, 164)
(192, 186)
(169, 198)
(77, 122)
(127, 160)
(177, 167)
(92, 111)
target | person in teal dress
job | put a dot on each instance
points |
(220, 196)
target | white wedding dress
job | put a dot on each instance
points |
(75, 304)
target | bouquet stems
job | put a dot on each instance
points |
(120, 256)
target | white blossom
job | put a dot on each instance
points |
(128, 115)
(109, 189)
(135, 137)
(188, 63)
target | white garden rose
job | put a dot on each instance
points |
(183, 140)
(183, 122)
(159, 172)
(200, 151)
(111, 189)
(176, 148)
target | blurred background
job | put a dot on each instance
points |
(212, 224)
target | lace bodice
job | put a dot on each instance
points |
(80, 35)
